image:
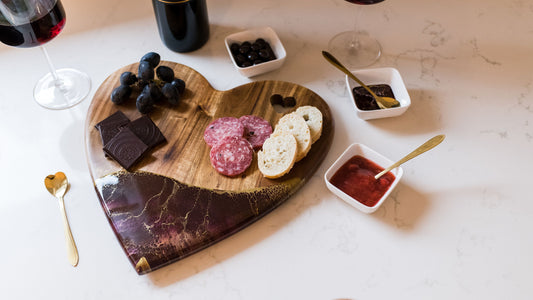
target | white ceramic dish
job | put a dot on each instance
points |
(388, 76)
(364, 151)
(251, 35)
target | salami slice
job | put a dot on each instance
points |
(231, 156)
(256, 130)
(221, 128)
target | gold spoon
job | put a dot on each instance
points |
(57, 185)
(430, 144)
(383, 102)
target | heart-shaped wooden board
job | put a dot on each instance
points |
(173, 203)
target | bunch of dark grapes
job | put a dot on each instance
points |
(155, 84)
(248, 54)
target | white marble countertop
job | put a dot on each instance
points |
(457, 227)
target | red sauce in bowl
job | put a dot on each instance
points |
(356, 178)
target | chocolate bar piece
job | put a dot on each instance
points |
(147, 131)
(125, 148)
(111, 125)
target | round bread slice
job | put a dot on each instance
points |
(313, 118)
(278, 155)
(295, 124)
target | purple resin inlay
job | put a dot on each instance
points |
(163, 220)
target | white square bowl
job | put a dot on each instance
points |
(389, 76)
(251, 35)
(364, 151)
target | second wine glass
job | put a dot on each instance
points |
(32, 23)
(355, 48)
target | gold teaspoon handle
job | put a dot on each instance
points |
(72, 251)
(430, 144)
(332, 60)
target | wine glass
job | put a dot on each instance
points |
(31, 23)
(354, 48)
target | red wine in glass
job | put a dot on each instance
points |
(36, 32)
(32, 23)
(354, 48)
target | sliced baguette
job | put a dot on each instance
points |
(278, 155)
(295, 124)
(313, 118)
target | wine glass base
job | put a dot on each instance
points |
(355, 49)
(72, 87)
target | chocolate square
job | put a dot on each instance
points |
(126, 148)
(147, 131)
(111, 125)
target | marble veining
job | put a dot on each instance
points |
(457, 227)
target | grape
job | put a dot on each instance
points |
(179, 84)
(171, 93)
(128, 78)
(165, 73)
(154, 91)
(146, 71)
(144, 103)
(151, 57)
(120, 94)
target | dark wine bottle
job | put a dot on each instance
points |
(183, 24)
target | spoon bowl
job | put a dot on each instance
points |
(57, 185)
(383, 102)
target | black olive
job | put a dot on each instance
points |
(276, 99)
(289, 101)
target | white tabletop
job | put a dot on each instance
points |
(458, 226)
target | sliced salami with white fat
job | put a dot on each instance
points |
(256, 130)
(222, 128)
(231, 156)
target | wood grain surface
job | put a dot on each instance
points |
(173, 203)
(186, 156)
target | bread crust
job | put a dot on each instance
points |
(278, 155)
(295, 124)
(313, 118)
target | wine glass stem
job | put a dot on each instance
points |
(354, 44)
(51, 67)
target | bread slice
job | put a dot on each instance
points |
(313, 118)
(295, 124)
(278, 155)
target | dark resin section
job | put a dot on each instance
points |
(159, 220)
